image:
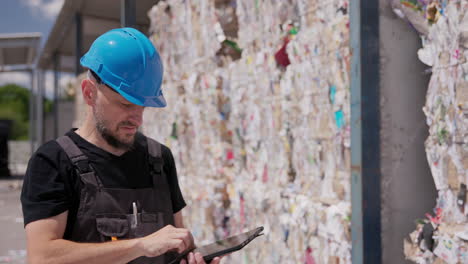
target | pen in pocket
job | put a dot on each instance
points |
(135, 216)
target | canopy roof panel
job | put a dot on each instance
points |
(97, 17)
(18, 51)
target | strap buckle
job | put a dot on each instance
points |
(82, 164)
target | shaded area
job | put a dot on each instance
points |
(408, 190)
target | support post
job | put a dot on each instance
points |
(365, 133)
(32, 119)
(40, 107)
(128, 13)
(56, 93)
(78, 43)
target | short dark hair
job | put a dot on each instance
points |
(99, 81)
(95, 76)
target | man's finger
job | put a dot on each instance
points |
(176, 244)
(182, 246)
(191, 258)
(199, 258)
(186, 237)
(192, 241)
(188, 242)
(215, 260)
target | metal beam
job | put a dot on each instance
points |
(40, 108)
(357, 250)
(2, 57)
(15, 68)
(78, 43)
(26, 35)
(365, 133)
(30, 56)
(56, 88)
(15, 43)
(128, 13)
(32, 119)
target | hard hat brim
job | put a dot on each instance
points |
(155, 101)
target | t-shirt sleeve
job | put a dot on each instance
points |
(178, 201)
(44, 192)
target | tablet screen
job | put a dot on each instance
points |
(224, 246)
(229, 244)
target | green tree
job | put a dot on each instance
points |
(14, 105)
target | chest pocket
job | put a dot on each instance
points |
(120, 225)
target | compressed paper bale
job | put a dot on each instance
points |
(452, 174)
(462, 94)
(253, 128)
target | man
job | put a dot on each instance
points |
(104, 193)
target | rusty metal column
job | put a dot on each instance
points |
(127, 13)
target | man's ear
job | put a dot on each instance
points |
(89, 92)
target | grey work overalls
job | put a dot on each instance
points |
(104, 213)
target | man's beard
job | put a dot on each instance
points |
(110, 138)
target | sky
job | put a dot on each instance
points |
(25, 16)
(28, 15)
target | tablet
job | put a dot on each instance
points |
(223, 247)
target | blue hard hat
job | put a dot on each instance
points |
(126, 60)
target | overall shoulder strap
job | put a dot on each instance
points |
(79, 160)
(154, 148)
(77, 157)
(155, 156)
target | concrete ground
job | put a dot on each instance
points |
(12, 236)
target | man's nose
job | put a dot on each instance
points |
(136, 114)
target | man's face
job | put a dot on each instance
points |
(117, 120)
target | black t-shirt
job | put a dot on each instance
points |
(51, 185)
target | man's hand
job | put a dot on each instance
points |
(168, 238)
(197, 258)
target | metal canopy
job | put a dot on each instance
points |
(94, 18)
(18, 51)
